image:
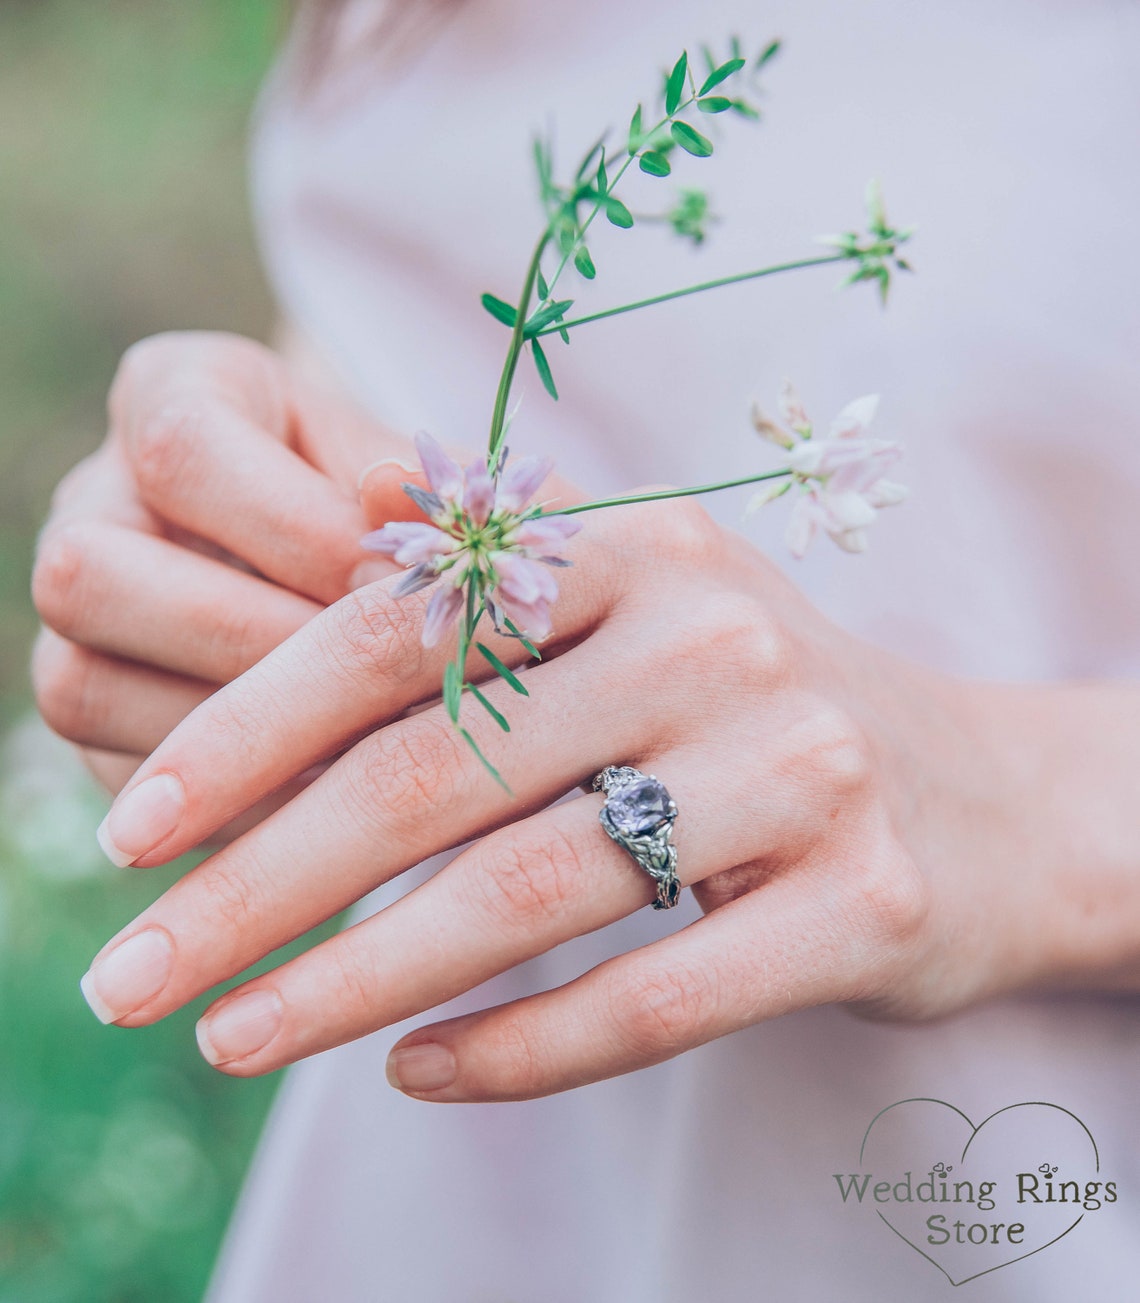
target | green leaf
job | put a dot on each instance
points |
(769, 52)
(543, 368)
(501, 670)
(585, 263)
(511, 628)
(720, 74)
(675, 85)
(452, 690)
(487, 765)
(584, 166)
(618, 213)
(655, 163)
(543, 288)
(745, 110)
(689, 216)
(544, 316)
(499, 310)
(691, 140)
(861, 274)
(710, 59)
(603, 179)
(563, 333)
(542, 165)
(496, 715)
(714, 104)
(635, 132)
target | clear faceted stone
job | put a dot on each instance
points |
(639, 807)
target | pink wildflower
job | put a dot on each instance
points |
(482, 532)
(842, 478)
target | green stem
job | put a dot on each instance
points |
(821, 261)
(467, 627)
(661, 494)
(645, 136)
(514, 349)
(518, 340)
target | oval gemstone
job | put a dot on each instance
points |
(639, 807)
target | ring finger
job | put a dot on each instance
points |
(517, 894)
(514, 895)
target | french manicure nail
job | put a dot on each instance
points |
(429, 1066)
(125, 978)
(138, 821)
(240, 1027)
(385, 461)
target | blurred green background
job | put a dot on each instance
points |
(122, 212)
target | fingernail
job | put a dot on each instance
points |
(386, 461)
(140, 820)
(421, 1067)
(240, 1027)
(370, 572)
(125, 978)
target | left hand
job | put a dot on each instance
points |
(838, 825)
(220, 513)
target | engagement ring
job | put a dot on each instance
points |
(639, 815)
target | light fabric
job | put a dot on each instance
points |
(1008, 134)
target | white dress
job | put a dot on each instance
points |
(1008, 134)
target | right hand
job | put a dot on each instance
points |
(219, 515)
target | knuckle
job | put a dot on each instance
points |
(161, 355)
(65, 682)
(238, 638)
(741, 627)
(830, 753)
(59, 576)
(182, 363)
(660, 1011)
(733, 639)
(165, 352)
(519, 1053)
(404, 769)
(685, 530)
(767, 647)
(373, 634)
(351, 979)
(665, 534)
(236, 727)
(899, 978)
(142, 358)
(528, 882)
(230, 894)
(164, 443)
(886, 908)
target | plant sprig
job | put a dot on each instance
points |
(570, 210)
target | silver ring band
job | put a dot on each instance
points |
(639, 814)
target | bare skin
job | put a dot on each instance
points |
(856, 828)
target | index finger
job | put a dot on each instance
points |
(356, 665)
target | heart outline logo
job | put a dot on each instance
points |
(974, 1132)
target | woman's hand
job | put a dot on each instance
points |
(857, 829)
(220, 514)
